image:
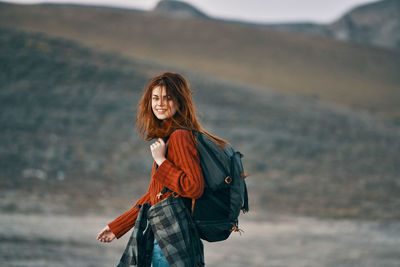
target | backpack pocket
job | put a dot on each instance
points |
(213, 206)
(214, 230)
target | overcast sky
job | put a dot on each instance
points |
(322, 11)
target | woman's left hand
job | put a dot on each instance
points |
(158, 150)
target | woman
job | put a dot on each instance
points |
(166, 105)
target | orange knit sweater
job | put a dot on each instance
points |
(180, 172)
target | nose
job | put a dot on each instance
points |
(162, 101)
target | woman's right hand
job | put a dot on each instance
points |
(106, 235)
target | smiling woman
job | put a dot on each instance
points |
(165, 108)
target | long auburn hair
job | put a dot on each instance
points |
(150, 127)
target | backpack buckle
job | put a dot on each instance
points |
(228, 180)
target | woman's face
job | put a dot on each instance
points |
(160, 102)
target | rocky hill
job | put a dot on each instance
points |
(178, 9)
(376, 24)
(346, 74)
(67, 142)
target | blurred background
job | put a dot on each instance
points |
(308, 91)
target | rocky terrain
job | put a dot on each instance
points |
(178, 9)
(61, 104)
(323, 178)
(375, 24)
(281, 241)
(337, 72)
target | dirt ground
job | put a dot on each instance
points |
(47, 240)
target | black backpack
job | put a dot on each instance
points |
(216, 212)
(225, 194)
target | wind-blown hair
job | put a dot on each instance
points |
(150, 127)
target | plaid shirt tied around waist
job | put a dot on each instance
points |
(138, 251)
(174, 230)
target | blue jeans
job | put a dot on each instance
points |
(158, 259)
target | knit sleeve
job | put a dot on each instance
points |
(181, 171)
(126, 221)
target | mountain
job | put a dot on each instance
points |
(346, 74)
(67, 139)
(178, 9)
(376, 24)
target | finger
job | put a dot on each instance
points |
(161, 141)
(99, 235)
